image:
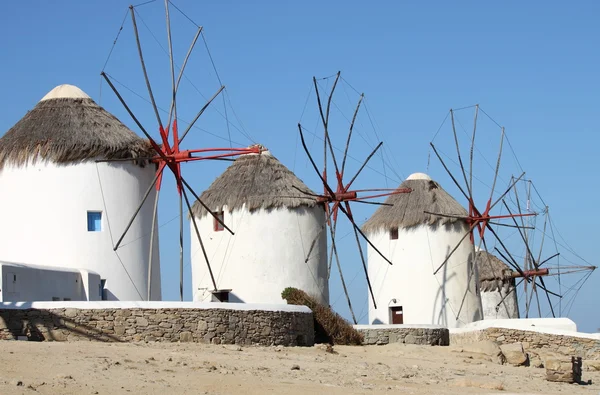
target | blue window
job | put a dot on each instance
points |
(94, 221)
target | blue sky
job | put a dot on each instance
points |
(532, 66)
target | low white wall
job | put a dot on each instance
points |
(398, 326)
(37, 283)
(153, 305)
(92, 285)
(530, 324)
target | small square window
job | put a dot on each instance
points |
(94, 221)
(394, 234)
(216, 225)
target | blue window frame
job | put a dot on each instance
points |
(94, 221)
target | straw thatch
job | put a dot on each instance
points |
(330, 327)
(408, 208)
(69, 130)
(494, 274)
(258, 181)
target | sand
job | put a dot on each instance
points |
(189, 368)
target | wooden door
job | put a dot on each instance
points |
(397, 315)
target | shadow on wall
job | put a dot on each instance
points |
(233, 298)
(44, 325)
(107, 295)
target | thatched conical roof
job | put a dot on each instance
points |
(408, 209)
(258, 181)
(494, 274)
(67, 126)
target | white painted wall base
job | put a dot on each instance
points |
(412, 326)
(153, 306)
(23, 283)
(266, 255)
(559, 324)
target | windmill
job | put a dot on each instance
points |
(543, 251)
(169, 152)
(338, 195)
(497, 213)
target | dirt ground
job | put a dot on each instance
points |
(189, 368)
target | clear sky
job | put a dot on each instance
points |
(533, 66)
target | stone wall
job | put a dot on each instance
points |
(215, 325)
(386, 334)
(537, 344)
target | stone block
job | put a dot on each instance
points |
(186, 337)
(266, 331)
(202, 326)
(564, 370)
(514, 354)
(158, 317)
(485, 349)
(141, 321)
(56, 335)
(123, 313)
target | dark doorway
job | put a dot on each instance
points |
(397, 315)
(220, 295)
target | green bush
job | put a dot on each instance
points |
(330, 327)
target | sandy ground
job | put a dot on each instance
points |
(184, 368)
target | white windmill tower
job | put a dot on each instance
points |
(58, 204)
(409, 292)
(275, 220)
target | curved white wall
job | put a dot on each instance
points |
(43, 221)
(507, 308)
(265, 255)
(425, 298)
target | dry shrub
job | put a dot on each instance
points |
(330, 327)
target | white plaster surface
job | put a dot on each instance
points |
(500, 304)
(65, 91)
(532, 324)
(419, 176)
(554, 326)
(153, 305)
(266, 255)
(33, 283)
(44, 208)
(425, 298)
(383, 326)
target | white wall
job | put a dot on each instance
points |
(43, 221)
(153, 305)
(265, 255)
(20, 283)
(542, 325)
(425, 298)
(506, 309)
